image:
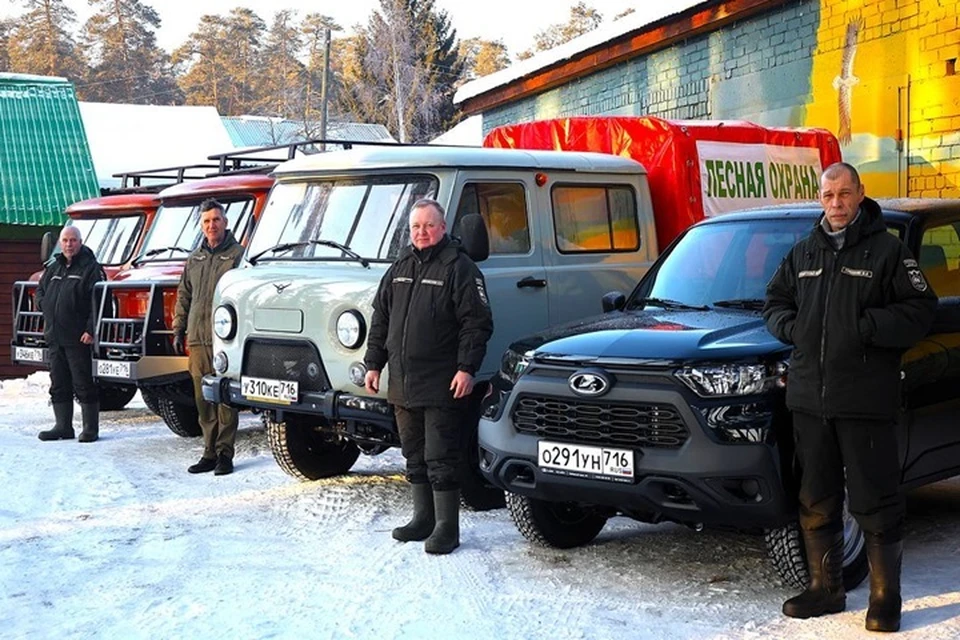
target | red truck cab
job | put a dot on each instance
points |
(114, 228)
(134, 329)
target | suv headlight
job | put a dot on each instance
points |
(351, 329)
(712, 381)
(225, 322)
(513, 364)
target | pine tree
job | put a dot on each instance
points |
(40, 41)
(483, 57)
(282, 89)
(126, 63)
(219, 63)
(402, 69)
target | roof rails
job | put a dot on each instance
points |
(233, 161)
(169, 175)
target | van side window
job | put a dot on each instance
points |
(940, 258)
(503, 207)
(595, 218)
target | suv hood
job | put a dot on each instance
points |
(668, 334)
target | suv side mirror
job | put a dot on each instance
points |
(613, 301)
(474, 238)
(46, 246)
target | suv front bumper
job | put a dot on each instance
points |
(703, 481)
(332, 405)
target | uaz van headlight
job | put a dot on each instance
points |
(351, 330)
(711, 381)
(225, 322)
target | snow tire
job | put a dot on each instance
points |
(562, 525)
(182, 419)
(786, 551)
(308, 454)
(151, 400)
(116, 397)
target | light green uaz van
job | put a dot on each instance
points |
(562, 229)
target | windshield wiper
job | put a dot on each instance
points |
(740, 303)
(668, 304)
(287, 246)
(158, 251)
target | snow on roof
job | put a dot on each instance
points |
(646, 14)
(468, 131)
(261, 131)
(133, 137)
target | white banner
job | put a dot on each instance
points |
(736, 176)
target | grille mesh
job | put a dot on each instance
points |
(286, 360)
(639, 425)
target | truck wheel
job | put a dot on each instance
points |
(151, 400)
(563, 525)
(307, 454)
(785, 547)
(182, 419)
(116, 397)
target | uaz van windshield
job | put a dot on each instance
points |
(176, 232)
(366, 215)
(111, 239)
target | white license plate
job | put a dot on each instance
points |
(585, 461)
(113, 369)
(28, 354)
(267, 390)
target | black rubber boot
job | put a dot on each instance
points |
(91, 422)
(63, 430)
(885, 560)
(423, 521)
(825, 593)
(446, 534)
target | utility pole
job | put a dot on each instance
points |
(323, 89)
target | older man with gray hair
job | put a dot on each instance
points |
(65, 296)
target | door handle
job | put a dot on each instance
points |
(530, 281)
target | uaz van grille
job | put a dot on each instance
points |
(637, 425)
(286, 360)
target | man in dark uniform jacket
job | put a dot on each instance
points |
(850, 299)
(431, 323)
(65, 296)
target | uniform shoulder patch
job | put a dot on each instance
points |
(481, 291)
(916, 279)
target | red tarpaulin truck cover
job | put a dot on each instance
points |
(696, 168)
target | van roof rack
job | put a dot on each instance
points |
(244, 160)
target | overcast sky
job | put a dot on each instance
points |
(512, 21)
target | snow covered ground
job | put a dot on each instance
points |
(114, 539)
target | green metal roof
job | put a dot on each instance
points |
(45, 162)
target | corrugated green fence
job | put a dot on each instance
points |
(45, 161)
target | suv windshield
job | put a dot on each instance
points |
(726, 264)
(176, 232)
(367, 215)
(111, 239)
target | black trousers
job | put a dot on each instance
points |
(864, 454)
(430, 439)
(71, 373)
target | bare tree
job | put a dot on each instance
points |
(483, 57)
(583, 18)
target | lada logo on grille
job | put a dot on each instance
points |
(590, 382)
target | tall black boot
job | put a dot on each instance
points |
(423, 521)
(885, 560)
(825, 593)
(63, 430)
(91, 421)
(446, 535)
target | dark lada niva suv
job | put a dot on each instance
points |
(670, 406)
